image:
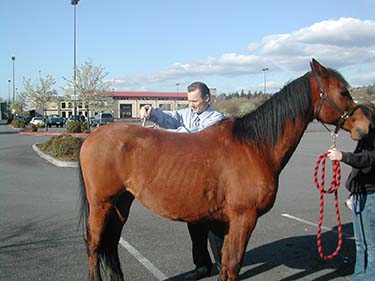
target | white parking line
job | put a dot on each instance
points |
(314, 224)
(145, 262)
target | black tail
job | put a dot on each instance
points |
(108, 251)
(84, 205)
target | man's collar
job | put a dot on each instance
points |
(208, 109)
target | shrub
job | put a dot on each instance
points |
(73, 127)
(18, 123)
(31, 128)
(64, 147)
(34, 128)
(85, 127)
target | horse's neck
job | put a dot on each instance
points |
(287, 144)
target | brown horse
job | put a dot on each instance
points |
(227, 172)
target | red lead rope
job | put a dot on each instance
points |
(333, 188)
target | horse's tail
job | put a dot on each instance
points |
(107, 250)
(84, 205)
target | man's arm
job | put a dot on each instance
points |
(166, 119)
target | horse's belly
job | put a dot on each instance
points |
(175, 204)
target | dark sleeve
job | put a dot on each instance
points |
(361, 160)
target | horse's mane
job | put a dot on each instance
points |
(267, 122)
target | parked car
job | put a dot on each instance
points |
(72, 118)
(91, 120)
(55, 121)
(25, 119)
(81, 119)
(38, 121)
(102, 119)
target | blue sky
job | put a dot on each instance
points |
(154, 44)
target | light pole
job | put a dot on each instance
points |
(9, 92)
(265, 78)
(14, 85)
(177, 85)
(74, 3)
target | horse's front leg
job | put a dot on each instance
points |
(240, 229)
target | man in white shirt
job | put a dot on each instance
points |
(198, 116)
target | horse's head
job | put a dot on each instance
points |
(333, 103)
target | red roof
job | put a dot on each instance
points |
(140, 94)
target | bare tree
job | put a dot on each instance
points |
(40, 93)
(91, 86)
(20, 104)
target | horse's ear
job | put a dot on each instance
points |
(318, 68)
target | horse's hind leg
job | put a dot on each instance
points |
(95, 229)
(104, 231)
(240, 229)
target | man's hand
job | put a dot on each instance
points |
(334, 154)
(145, 111)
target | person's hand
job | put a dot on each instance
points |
(334, 154)
(145, 111)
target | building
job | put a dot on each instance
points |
(122, 104)
(128, 104)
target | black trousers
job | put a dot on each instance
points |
(200, 232)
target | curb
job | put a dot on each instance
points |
(53, 134)
(54, 161)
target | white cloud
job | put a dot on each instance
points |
(341, 43)
(343, 32)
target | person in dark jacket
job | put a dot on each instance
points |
(361, 184)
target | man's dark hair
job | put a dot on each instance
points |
(199, 86)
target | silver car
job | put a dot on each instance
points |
(38, 121)
(102, 118)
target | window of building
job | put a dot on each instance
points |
(165, 106)
(181, 106)
(126, 110)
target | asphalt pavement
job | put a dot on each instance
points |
(39, 239)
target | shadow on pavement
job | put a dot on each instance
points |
(298, 253)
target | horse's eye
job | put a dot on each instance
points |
(345, 93)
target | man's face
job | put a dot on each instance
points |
(196, 102)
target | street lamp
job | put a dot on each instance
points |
(265, 78)
(74, 3)
(177, 85)
(9, 91)
(14, 85)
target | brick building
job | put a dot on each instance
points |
(128, 104)
(122, 104)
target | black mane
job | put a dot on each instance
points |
(266, 123)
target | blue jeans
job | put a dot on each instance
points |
(364, 232)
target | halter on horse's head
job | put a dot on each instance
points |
(331, 90)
